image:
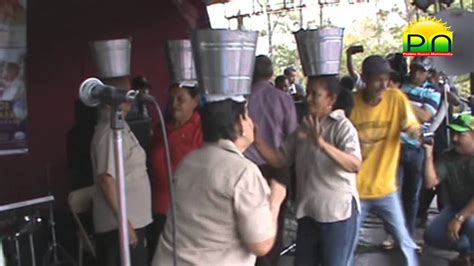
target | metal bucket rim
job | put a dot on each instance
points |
(105, 44)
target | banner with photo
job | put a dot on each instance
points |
(13, 104)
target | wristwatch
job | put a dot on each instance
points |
(459, 217)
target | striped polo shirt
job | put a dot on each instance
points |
(426, 97)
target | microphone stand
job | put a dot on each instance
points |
(117, 125)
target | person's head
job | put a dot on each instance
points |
(463, 128)
(141, 83)
(395, 80)
(347, 83)
(282, 83)
(263, 69)
(9, 72)
(121, 83)
(398, 63)
(419, 70)
(321, 95)
(227, 120)
(376, 75)
(184, 100)
(291, 73)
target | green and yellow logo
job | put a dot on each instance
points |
(427, 37)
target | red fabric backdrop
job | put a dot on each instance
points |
(58, 60)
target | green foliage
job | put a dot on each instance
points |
(285, 57)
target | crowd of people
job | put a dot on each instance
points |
(364, 145)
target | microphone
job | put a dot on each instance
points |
(92, 92)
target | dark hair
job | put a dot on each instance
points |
(288, 71)
(193, 91)
(396, 77)
(345, 101)
(347, 83)
(332, 83)
(220, 120)
(280, 80)
(398, 62)
(263, 68)
(140, 82)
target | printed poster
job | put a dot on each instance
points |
(13, 104)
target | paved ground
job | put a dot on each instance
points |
(369, 252)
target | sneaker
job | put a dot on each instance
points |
(388, 243)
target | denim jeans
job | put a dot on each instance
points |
(328, 244)
(435, 234)
(411, 180)
(390, 211)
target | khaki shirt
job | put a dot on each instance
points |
(324, 189)
(222, 205)
(136, 178)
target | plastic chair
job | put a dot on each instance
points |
(80, 201)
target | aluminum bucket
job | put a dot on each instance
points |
(112, 57)
(224, 60)
(320, 50)
(181, 61)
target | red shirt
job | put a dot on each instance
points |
(182, 141)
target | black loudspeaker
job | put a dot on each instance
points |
(141, 128)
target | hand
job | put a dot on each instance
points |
(278, 193)
(353, 49)
(132, 235)
(314, 130)
(453, 229)
(415, 132)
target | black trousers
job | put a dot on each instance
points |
(108, 249)
(153, 233)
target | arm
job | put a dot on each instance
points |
(278, 194)
(455, 225)
(431, 178)
(409, 122)
(350, 64)
(108, 188)
(272, 156)
(422, 114)
(348, 162)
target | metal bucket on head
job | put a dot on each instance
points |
(112, 57)
(181, 61)
(224, 60)
(320, 50)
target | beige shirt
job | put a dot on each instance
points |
(137, 183)
(222, 205)
(324, 189)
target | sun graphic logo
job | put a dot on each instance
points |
(427, 37)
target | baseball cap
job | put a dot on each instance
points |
(424, 62)
(376, 65)
(463, 123)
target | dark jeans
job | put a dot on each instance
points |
(108, 249)
(328, 244)
(435, 234)
(411, 180)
